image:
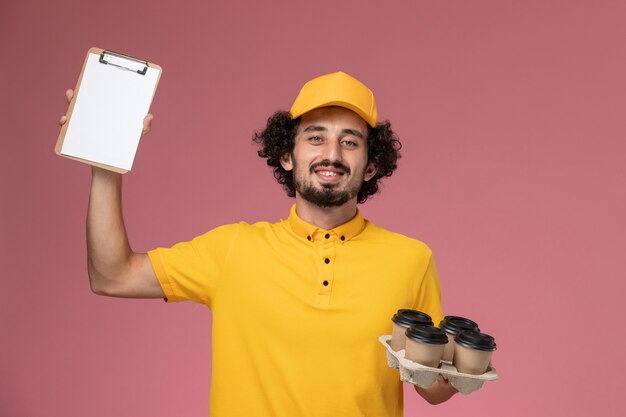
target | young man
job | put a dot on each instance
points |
(297, 305)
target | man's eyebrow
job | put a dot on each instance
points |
(315, 128)
(353, 133)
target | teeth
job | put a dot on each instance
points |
(329, 173)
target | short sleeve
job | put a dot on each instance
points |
(428, 297)
(192, 270)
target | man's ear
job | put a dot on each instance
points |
(370, 171)
(285, 162)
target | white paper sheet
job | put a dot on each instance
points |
(106, 123)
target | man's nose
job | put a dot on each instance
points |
(332, 150)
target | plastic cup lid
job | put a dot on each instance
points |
(407, 318)
(454, 324)
(427, 334)
(475, 340)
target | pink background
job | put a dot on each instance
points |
(512, 120)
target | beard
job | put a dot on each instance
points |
(327, 196)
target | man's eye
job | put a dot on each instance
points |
(349, 143)
(315, 139)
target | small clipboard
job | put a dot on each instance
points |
(105, 117)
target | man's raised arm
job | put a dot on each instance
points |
(114, 269)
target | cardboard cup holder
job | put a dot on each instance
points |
(423, 376)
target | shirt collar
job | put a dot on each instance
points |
(310, 232)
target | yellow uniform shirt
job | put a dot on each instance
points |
(297, 312)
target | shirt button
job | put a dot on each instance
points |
(327, 235)
(327, 260)
(343, 238)
(308, 238)
(325, 283)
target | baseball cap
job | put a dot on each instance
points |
(336, 89)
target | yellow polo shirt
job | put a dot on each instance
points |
(297, 311)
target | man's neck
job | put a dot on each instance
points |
(325, 217)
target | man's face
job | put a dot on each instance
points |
(329, 159)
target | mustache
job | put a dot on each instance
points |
(328, 163)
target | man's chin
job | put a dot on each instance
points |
(326, 197)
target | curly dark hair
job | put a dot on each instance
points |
(278, 138)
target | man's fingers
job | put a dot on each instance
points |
(443, 380)
(69, 94)
(147, 124)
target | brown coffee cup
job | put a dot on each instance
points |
(452, 325)
(473, 351)
(425, 344)
(402, 320)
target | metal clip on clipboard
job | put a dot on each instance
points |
(124, 62)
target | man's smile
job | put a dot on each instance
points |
(329, 172)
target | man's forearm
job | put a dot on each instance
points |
(108, 249)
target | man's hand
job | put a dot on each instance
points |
(147, 121)
(439, 392)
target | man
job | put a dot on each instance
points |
(297, 305)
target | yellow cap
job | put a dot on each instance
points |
(336, 89)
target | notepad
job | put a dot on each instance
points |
(105, 117)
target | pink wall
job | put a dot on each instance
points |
(512, 118)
